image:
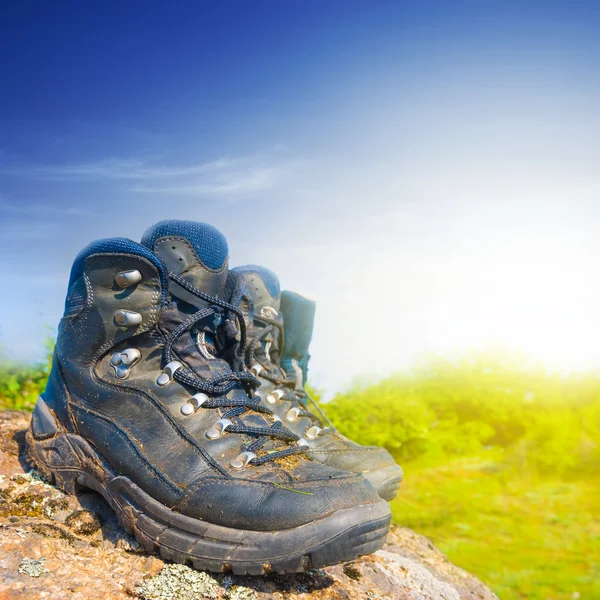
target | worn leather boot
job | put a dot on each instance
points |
(282, 369)
(138, 408)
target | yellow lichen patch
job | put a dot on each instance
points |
(23, 504)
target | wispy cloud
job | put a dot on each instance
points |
(32, 208)
(119, 169)
(228, 175)
(227, 181)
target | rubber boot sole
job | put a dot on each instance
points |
(69, 462)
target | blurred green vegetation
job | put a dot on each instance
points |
(547, 424)
(22, 383)
(501, 465)
(500, 457)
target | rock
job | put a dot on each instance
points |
(33, 568)
(179, 581)
(54, 545)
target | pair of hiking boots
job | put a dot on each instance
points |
(177, 392)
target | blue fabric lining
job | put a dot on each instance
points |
(208, 242)
(269, 278)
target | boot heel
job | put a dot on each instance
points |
(55, 458)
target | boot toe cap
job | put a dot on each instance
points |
(268, 506)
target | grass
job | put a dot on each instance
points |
(526, 537)
(502, 468)
(501, 461)
(21, 384)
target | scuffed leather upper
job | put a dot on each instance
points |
(297, 313)
(137, 426)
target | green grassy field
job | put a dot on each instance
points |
(526, 537)
(501, 462)
(501, 468)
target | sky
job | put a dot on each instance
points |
(427, 171)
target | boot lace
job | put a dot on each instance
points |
(274, 373)
(222, 384)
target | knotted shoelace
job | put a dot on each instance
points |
(220, 385)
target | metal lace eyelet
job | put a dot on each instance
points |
(312, 432)
(125, 279)
(256, 369)
(128, 318)
(193, 404)
(269, 312)
(274, 396)
(130, 356)
(168, 372)
(242, 460)
(122, 362)
(218, 429)
(302, 443)
(293, 414)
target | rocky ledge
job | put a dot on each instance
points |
(53, 545)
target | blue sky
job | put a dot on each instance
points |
(431, 164)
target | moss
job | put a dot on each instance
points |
(351, 571)
(53, 530)
(25, 504)
(300, 583)
(55, 504)
(6, 494)
(83, 522)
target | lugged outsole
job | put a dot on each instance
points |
(70, 463)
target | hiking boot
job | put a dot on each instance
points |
(138, 408)
(282, 368)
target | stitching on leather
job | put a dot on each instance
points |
(153, 311)
(154, 302)
(150, 327)
(158, 405)
(90, 290)
(148, 466)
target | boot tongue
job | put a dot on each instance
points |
(199, 253)
(263, 287)
(196, 251)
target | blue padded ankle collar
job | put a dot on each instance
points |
(208, 242)
(298, 322)
(118, 246)
(269, 278)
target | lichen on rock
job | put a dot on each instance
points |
(78, 540)
(178, 582)
(240, 592)
(32, 567)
